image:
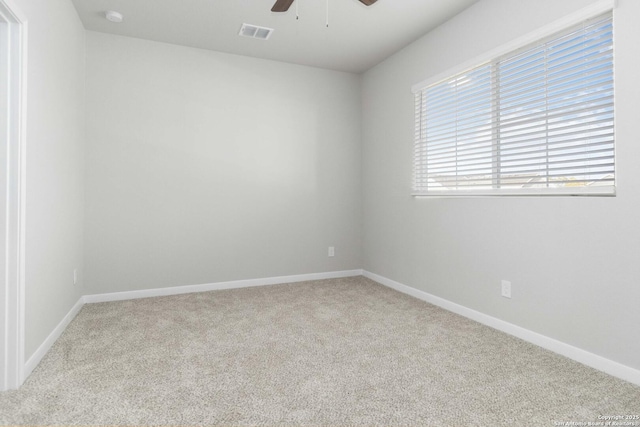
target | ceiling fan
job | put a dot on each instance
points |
(284, 5)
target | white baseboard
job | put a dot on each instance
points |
(36, 357)
(586, 358)
(188, 289)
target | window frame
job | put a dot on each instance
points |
(593, 11)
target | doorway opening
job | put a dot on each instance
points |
(12, 179)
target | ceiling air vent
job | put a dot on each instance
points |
(255, 32)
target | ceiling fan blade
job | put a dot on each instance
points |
(368, 2)
(283, 5)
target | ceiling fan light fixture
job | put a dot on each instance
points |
(284, 5)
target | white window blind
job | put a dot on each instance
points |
(539, 120)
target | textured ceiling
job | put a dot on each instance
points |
(358, 37)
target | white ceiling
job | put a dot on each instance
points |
(358, 36)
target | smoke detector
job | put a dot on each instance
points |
(114, 16)
(255, 32)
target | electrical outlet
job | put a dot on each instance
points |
(75, 276)
(332, 251)
(506, 289)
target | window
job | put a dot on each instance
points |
(535, 121)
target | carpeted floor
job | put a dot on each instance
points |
(325, 353)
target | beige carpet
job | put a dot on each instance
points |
(325, 353)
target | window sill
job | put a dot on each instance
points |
(551, 192)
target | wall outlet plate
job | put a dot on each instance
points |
(506, 289)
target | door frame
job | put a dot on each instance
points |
(13, 61)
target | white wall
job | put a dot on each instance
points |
(574, 262)
(55, 159)
(205, 167)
